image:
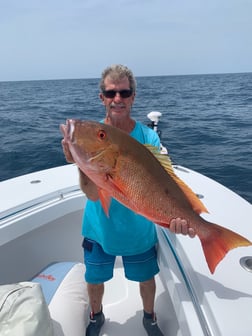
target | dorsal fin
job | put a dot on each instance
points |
(165, 161)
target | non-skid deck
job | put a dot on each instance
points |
(123, 308)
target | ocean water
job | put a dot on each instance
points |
(206, 122)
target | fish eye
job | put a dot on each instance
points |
(102, 134)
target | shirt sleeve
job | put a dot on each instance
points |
(151, 137)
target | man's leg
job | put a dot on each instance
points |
(96, 321)
(147, 291)
(139, 268)
(95, 293)
(99, 268)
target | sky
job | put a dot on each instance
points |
(58, 39)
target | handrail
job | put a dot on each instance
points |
(201, 316)
(57, 195)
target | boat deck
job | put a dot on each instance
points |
(129, 320)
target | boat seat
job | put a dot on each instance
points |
(65, 292)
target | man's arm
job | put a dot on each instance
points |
(88, 187)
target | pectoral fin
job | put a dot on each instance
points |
(105, 196)
(105, 199)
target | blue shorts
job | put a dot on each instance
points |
(100, 265)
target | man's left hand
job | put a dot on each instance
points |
(178, 225)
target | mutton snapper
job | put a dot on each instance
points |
(131, 173)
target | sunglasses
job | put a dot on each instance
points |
(126, 93)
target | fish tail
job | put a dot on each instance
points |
(217, 242)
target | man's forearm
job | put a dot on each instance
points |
(88, 187)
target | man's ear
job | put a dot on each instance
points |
(101, 97)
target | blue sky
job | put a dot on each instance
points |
(51, 39)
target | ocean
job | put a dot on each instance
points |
(206, 123)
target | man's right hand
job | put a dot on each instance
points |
(66, 151)
(86, 185)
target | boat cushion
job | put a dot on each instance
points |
(65, 292)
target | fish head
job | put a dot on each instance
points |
(91, 145)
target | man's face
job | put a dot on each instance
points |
(117, 107)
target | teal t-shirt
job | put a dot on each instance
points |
(123, 232)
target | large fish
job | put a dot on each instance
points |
(130, 172)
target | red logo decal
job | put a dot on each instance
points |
(48, 277)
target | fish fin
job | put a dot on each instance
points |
(218, 242)
(165, 161)
(195, 202)
(165, 225)
(105, 199)
(117, 188)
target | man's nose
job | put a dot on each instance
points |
(118, 96)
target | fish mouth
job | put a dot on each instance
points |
(68, 130)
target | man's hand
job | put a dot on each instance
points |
(67, 152)
(178, 225)
(86, 185)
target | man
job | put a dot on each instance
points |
(124, 233)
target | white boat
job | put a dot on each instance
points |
(40, 223)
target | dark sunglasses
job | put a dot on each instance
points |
(112, 93)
